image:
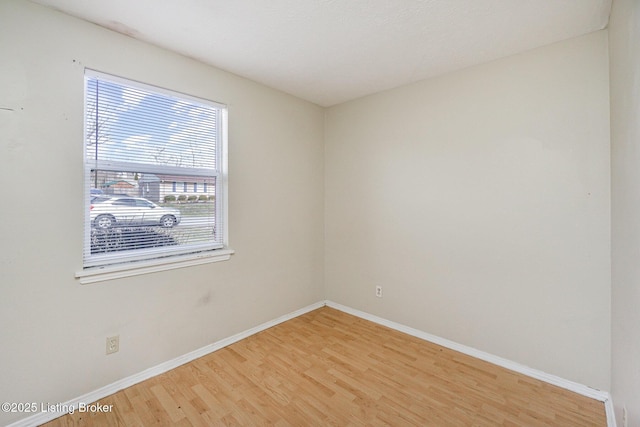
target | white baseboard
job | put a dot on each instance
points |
(43, 417)
(611, 415)
(584, 390)
(110, 389)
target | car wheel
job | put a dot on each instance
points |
(105, 221)
(167, 221)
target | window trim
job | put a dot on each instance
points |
(133, 267)
(171, 262)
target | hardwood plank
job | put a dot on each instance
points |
(332, 369)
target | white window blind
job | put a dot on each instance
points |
(140, 141)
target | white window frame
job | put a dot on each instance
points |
(112, 266)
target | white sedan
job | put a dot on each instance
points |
(123, 211)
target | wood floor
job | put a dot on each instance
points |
(330, 368)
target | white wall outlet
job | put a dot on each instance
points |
(379, 291)
(113, 344)
(625, 422)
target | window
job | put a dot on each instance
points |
(140, 141)
(184, 187)
(195, 187)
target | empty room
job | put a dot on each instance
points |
(319, 212)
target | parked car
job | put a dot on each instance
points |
(107, 212)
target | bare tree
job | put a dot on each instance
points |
(97, 119)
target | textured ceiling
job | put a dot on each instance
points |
(331, 51)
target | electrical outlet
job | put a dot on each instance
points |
(113, 344)
(625, 422)
(379, 291)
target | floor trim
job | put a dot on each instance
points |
(582, 389)
(112, 388)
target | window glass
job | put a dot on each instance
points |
(140, 141)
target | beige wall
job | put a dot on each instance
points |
(624, 47)
(480, 202)
(52, 340)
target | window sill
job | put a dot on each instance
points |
(101, 274)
